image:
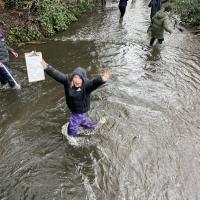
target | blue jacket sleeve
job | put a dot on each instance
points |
(92, 85)
(150, 4)
(57, 75)
(10, 50)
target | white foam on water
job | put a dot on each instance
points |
(71, 140)
(84, 138)
(90, 193)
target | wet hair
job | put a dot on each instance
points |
(168, 8)
(71, 76)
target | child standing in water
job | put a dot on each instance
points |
(160, 25)
(77, 92)
(4, 60)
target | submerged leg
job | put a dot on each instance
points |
(5, 77)
(74, 124)
(87, 123)
(152, 41)
(122, 11)
(160, 40)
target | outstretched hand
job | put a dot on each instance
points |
(15, 54)
(1, 64)
(106, 74)
(44, 64)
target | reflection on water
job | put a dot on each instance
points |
(149, 146)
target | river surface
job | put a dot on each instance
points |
(149, 146)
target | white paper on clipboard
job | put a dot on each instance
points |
(34, 67)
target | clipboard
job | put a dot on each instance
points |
(34, 67)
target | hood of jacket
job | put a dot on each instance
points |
(160, 15)
(80, 72)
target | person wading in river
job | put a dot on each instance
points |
(4, 62)
(122, 8)
(155, 6)
(159, 25)
(77, 93)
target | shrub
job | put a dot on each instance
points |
(189, 10)
(50, 16)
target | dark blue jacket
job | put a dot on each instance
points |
(4, 51)
(77, 99)
(123, 3)
(156, 6)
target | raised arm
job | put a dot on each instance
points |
(55, 74)
(97, 82)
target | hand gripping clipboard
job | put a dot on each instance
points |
(34, 67)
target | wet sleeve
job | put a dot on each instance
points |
(10, 49)
(166, 26)
(57, 75)
(92, 85)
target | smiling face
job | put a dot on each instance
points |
(77, 81)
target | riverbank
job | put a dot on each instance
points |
(40, 20)
(37, 20)
(189, 11)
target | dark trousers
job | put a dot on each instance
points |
(153, 39)
(5, 77)
(122, 11)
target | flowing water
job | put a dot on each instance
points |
(149, 147)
